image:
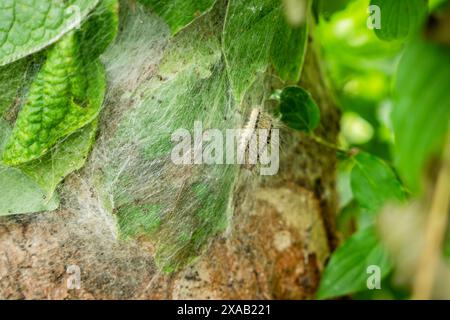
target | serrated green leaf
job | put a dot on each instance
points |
(39, 178)
(29, 26)
(65, 96)
(421, 112)
(67, 156)
(255, 33)
(19, 193)
(400, 18)
(374, 183)
(298, 109)
(179, 13)
(347, 270)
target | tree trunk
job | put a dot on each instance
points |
(275, 247)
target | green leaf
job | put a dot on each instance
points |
(421, 111)
(256, 34)
(400, 18)
(347, 270)
(29, 26)
(247, 38)
(39, 178)
(19, 193)
(11, 76)
(288, 50)
(100, 29)
(374, 183)
(66, 95)
(66, 157)
(192, 79)
(179, 13)
(298, 109)
(138, 220)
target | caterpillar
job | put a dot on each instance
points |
(259, 140)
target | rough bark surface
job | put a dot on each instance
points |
(277, 242)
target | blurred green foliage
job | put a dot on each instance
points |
(392, 87)
(361, 68)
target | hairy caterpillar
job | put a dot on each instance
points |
(259, 140)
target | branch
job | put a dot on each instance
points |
(435, 231)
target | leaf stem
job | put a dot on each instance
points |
(330, 145)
